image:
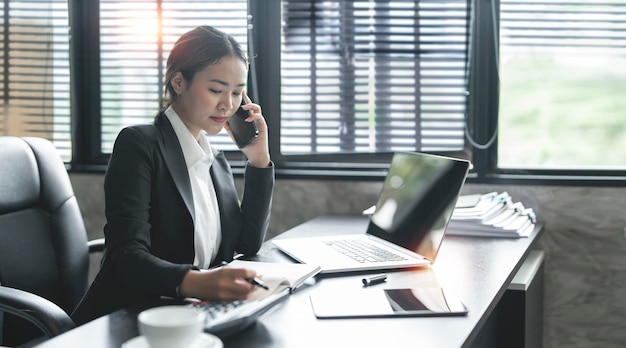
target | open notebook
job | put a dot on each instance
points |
(277, 276)
(226, 318)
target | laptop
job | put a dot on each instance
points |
(407, 226)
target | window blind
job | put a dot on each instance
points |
(136, 37)
(34, 57)
(564, 26)
(563, 78)
(373, 75)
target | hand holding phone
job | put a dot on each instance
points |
(244, 132)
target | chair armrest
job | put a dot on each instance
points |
(47, 316)
(96, 245)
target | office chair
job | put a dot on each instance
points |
(44, 252)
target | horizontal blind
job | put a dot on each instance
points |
(34, 56)
(368, 75)
(564, 26)
(563, 67)
(135, 40)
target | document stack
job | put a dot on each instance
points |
(493, 215)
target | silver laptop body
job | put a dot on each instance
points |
(411, 216)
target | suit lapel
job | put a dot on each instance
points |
(222, 181)
(224, 184)
(175, 161)
(229, 205)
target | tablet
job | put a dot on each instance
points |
(367, 302)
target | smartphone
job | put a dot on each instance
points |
(243, 132)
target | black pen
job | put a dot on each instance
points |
(253, 281)
(257, 282)
(375, 279)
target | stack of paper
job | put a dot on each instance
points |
(492, 214)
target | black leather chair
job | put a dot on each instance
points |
(44, 252)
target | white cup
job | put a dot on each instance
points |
(171, 326)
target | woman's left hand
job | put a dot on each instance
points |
(257, 151)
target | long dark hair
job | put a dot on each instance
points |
(194, 51)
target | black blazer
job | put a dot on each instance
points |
(149, 209)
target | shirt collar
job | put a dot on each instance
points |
(194, 150)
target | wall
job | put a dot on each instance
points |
(585, 266)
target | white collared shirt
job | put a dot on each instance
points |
(199, 157)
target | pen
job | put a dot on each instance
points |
(253, 281)
(375, 279)
(257, 282)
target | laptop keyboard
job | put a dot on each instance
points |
(363, 252)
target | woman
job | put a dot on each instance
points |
(171, 203)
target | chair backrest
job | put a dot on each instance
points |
(43, 242)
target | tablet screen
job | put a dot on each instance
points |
(425, 301)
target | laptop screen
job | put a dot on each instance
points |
(417, 200)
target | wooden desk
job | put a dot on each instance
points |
(479, 270)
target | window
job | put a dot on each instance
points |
(520, 87)
(373, 76)
(135, 39)
(563, 85)
(35, 88)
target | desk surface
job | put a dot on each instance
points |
(477, 269)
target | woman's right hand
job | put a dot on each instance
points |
(220, 284)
